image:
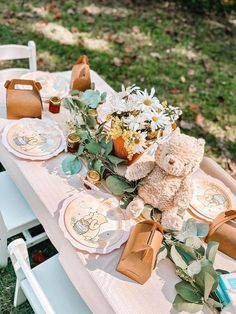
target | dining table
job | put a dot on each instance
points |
(46, 188)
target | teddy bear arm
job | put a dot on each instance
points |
(183, 195)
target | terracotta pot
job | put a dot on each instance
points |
(121, 152)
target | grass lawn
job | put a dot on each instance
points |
(189, 59)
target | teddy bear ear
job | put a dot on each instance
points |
(176, 131)
(201, 141)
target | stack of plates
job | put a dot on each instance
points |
(52, 84)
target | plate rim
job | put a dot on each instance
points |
(127, 227)
(4, 137)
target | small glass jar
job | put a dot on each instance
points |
(54, 104)
(73, 141)
(93, 177)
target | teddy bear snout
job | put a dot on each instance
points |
(171, 161)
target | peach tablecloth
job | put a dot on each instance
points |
(45, 187)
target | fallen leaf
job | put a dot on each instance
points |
(182, 79)
(135, 29)
(209, 81)
(207, 65)
(128, 49)
(199, 120)
(74, 29)
(191, 72)
(155, 55)
(117, 61)
(89, 19)
(194, 107)
(192, 88)
(126, 60)
(175, 91)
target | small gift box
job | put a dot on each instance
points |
(80, 75)
(23, 103)
(139, 256)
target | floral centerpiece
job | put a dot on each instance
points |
(137, 119)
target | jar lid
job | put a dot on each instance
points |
(73, 138)
(55, 100)
(93, 176)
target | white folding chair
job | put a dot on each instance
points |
(15, 217)
(13, 52)
(46, 286)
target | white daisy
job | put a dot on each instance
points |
(140, 143)
(159, 120)
(147, 101)
(128, 90)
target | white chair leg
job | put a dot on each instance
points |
(3, 244)
(19, 296)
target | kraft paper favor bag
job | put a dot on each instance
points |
(80, 75)
(139, 256)
(223, 230)
(23, 103)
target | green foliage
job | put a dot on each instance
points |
(194, 265)
(71, 165)
(116, 185)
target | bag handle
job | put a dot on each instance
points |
(11, 84)
(82, 59)
(220, 220)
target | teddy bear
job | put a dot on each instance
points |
(166, 180)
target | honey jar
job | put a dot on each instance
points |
(54, 104)
(73, 141)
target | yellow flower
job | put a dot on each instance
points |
(164, 103)
(115, 130)
(147, 102)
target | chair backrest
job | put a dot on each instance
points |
(13, 52)
(20, 260)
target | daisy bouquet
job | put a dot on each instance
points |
(138, 118)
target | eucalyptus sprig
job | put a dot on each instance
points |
(96, 152)
(194, 265)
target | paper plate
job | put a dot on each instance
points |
(210, 198)
(93, 222)
(52, 84)
(33, 139)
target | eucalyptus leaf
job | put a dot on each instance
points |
(93, 147)
(71, 165)
(207, 267)
(103, 96)
(108, 146)
(91, 98)
(202, 229)
(131, 189)
(193, 242)
(116, 185)
(75, 92)
(182, 305)
(188, 292)
(209, 283)
(97, 165)
(115, 160)
(211, 251)
(80, 150)
(177, 258)
(214, 303)
(194, 268)
(84, 135)
(90, 121)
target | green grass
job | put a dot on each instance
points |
(196, 62)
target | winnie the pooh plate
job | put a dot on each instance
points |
(211, 197)
(93, 222)
(33, 139)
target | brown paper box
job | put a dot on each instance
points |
(23, 103)
(139, 256)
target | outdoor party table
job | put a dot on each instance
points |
(46, 187)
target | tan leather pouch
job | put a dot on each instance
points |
(80, 75)
(223, 230)
(22, 103)
(139, 256)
